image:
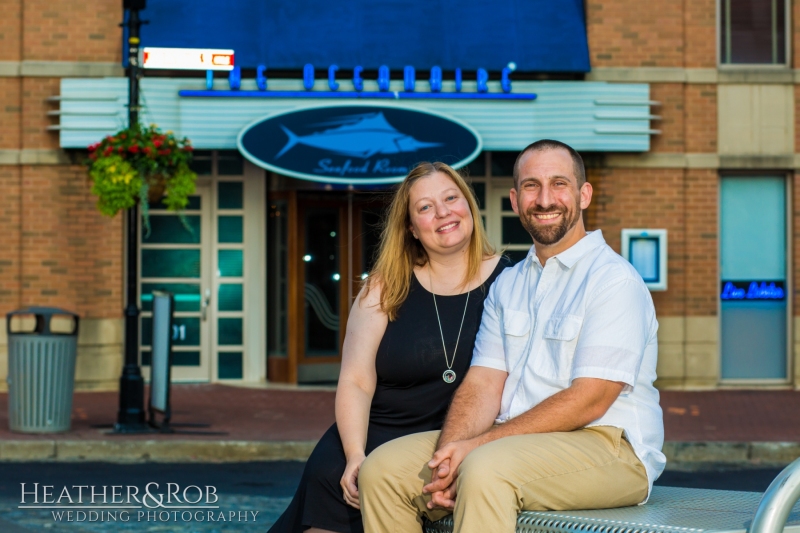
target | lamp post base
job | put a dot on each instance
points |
(131, 415)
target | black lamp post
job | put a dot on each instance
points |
(131, 415)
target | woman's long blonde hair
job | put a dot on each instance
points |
(400, 252)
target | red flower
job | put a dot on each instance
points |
(93, 147)
(108, 150)
(146, 150)
(134, 149)
(188, 148)
(163, 152)
(157, 143)
(119, 149)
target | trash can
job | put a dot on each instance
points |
(42, 346)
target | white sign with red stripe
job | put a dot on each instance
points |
(187, 58)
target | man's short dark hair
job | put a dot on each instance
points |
(549, 144)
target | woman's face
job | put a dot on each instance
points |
(440, 215)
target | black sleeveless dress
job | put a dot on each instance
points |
(410, 397)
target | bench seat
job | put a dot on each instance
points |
(669, 510)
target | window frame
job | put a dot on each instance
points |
(787, 65)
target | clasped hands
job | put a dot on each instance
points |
(444, 466)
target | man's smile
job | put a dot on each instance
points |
(546, 216)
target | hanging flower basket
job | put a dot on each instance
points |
(138, 164)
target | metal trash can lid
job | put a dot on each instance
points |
(44, 317)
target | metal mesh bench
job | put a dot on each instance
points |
(677, 510)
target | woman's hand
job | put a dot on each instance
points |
(349, 481)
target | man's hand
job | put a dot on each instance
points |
(444, 499)
(445, 463)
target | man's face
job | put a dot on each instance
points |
(547, 198)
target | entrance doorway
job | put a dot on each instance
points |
(319, 250)
(211, 260)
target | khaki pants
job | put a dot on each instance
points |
(592, 468)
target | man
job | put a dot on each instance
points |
(558, 410)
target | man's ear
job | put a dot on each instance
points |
(586, 194)
(512, 196)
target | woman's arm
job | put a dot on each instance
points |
(357, 378)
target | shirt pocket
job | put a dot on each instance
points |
(560, 340)
(516, 329)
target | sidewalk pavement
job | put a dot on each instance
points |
(743, 427)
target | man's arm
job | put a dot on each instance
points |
(584, 401)
(475, 405)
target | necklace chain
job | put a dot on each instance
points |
(449, 375)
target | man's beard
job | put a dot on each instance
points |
(548, 234)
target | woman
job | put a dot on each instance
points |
(409, 341)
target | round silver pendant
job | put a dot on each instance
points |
(449, 376)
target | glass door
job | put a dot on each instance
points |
(754, 285)
(228, 295)
(322, 280)
(175, 256)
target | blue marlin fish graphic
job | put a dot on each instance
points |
(357, 136)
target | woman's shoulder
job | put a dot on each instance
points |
(370, 294)
(491, 267)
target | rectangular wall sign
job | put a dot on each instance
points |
(187, 58)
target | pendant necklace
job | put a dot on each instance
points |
(449, 376)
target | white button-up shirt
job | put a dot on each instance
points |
(585, 314)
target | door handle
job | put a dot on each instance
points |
(204, 305)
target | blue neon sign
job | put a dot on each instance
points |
(752, 290)
(383, 79)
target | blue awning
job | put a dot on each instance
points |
(537, 35)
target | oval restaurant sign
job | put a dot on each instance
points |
(356, 144)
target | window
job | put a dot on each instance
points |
(753, 32)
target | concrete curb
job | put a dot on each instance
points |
(679, 454)
(172, 451)
(750, 453)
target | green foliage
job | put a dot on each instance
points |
(179, 187)
(126, 165)
(115, 183)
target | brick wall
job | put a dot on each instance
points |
(58, 250)
(688, 117)
(702, 273)
(645, 198)
(682, 201)
(65, 30)
(657, 33)
(35, 92)
(673, 117)
(10, 113)
(10, 238)
(11, 30)
(701, 118)
(634, 34)
(700, 32)
(71, 255)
